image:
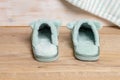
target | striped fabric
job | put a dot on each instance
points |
(107, 9)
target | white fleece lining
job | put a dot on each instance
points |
(77, 27)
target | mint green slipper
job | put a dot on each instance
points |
(45, 40)
(85, 39)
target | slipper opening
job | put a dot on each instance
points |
(45, 31)
(87, 33)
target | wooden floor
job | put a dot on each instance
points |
(17, 62)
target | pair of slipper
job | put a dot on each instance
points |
(85, 39)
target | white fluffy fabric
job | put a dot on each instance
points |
(107, 9)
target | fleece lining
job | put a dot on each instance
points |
(76, 25)
(53, 27)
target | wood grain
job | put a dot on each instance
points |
(22, 12)
(17, 62)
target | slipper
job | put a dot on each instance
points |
(45, 40)
(85, 39)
